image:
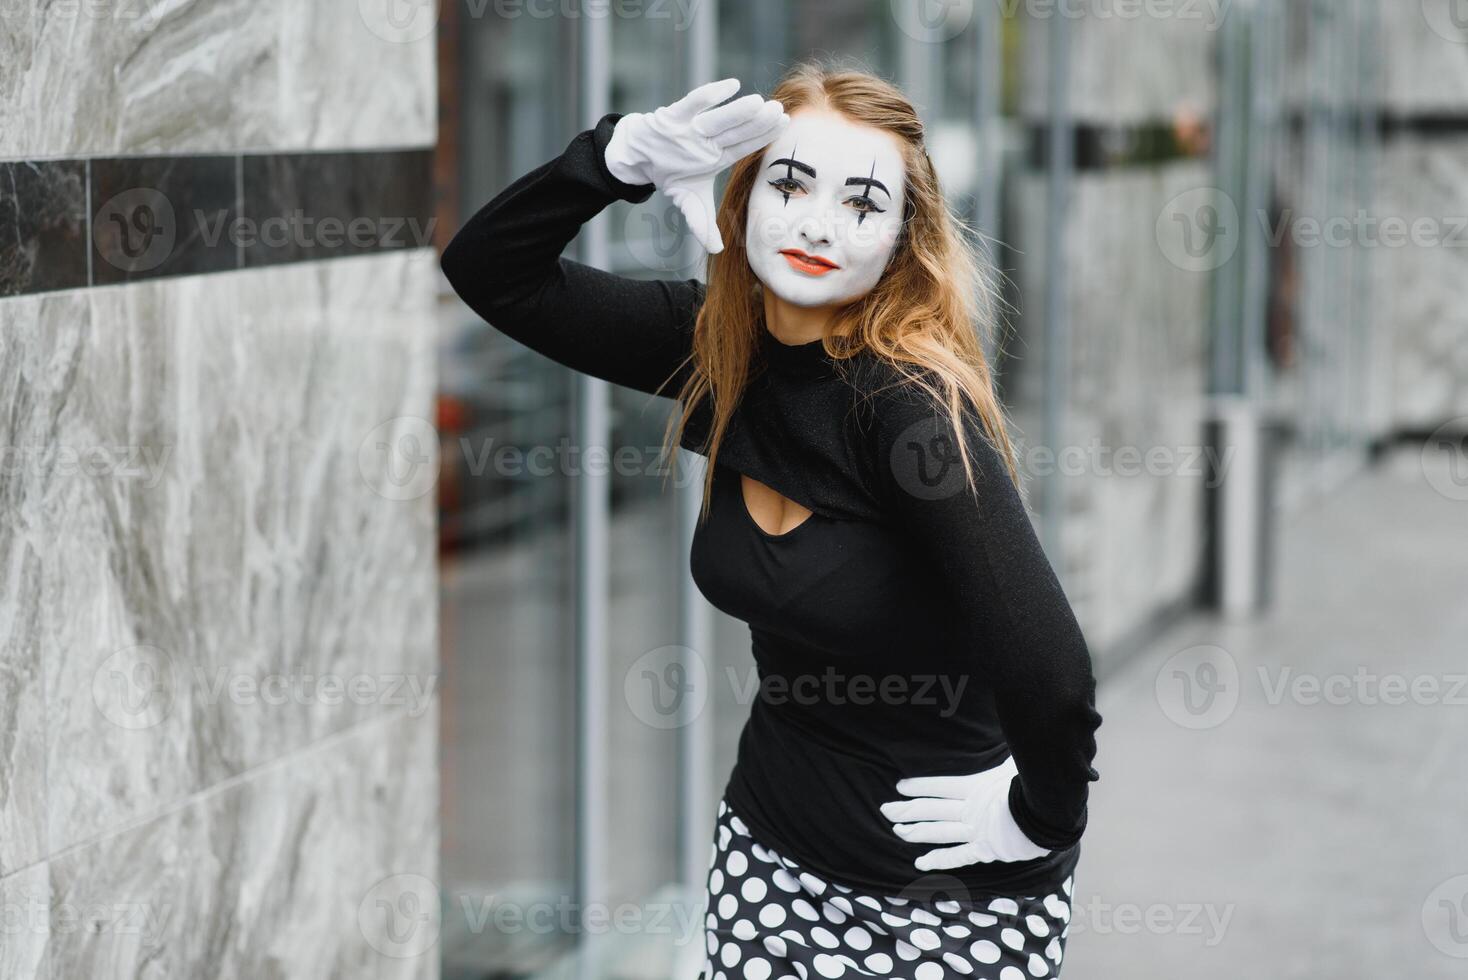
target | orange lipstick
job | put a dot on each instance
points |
(812, 265)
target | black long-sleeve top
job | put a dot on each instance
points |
(910, 627)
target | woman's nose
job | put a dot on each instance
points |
(816, 229)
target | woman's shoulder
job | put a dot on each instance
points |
(891, 395)
(909, 432)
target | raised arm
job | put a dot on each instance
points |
(506, 261)
(1022, 637)
(506, 264)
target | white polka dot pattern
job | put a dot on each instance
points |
(771, 919)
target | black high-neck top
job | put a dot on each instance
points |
(909, 627)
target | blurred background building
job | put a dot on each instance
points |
(1218, 225)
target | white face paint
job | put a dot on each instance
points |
(832, 189)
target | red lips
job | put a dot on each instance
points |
(813, 265)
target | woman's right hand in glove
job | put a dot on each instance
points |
(682, 147)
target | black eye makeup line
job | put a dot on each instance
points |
(865, 183)
(791, 165)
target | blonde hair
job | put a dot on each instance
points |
(928, 317)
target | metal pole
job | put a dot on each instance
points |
(1314, 192)
(1061, 163)
(1260, 131)
(1374, 341)
(695, 619)
(591, 431)
(1230, 156)
(988, 76)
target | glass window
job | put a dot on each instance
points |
(507, 749)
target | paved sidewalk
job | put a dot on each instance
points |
(1307, 829)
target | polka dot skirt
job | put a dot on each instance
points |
(769, 919)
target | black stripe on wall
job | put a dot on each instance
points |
(1098, 147)
(1423, 127)
(152, 217)
(67, 224)
(345, 203)
(1106, 147)
(43, 226)
(1388, 126)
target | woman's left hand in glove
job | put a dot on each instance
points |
(971, 813)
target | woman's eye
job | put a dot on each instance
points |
(786, 185)
(865, 205)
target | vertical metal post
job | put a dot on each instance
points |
(988, 81)
(1060, 159)
(915, 59)
(1374, 342)
(1230, 155)
(1314, 191)
(988, 44)
(1260, 131)
(591, 432)
(695, 617)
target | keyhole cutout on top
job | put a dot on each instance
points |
(771, 511)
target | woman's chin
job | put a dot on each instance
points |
(807, 294)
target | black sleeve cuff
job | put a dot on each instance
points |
(1037, 831)
(601, 134)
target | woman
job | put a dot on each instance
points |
(911, 784)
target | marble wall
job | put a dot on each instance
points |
(218, 614)
(1422, 178)
(1417, 286)
(1127, 65)
(1424, 56)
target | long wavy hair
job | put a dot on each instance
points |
(928, 317)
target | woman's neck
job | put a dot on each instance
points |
(791, 324)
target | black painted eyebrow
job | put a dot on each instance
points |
(802, 167)
(869, 183)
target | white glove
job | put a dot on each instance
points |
(680, 148)
(971, 812)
